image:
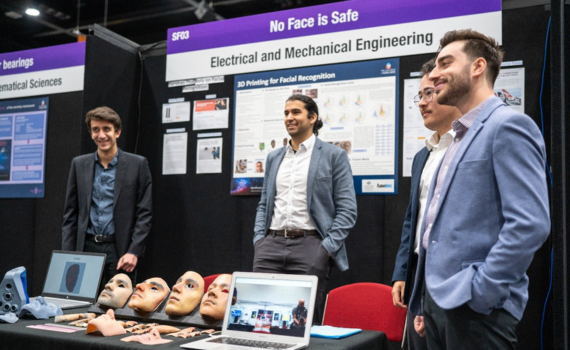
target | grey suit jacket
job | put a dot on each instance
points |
(492, 216)
(331, 200)
(132, 212)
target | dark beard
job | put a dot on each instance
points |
(456, 89)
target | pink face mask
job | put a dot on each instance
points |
(106, 324)
(150, 338)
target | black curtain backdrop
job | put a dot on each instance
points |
(197, 225)
(31, 228)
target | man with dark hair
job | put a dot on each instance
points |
(487, 209)
(299, 313)
(437, 118)
(308, 204)
(108, 206)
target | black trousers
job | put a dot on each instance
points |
(462, 328)
(413, 339)
(301, 256)
(111, 261)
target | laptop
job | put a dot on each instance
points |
(261, 316)
(72, 280)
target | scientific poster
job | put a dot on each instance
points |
(358, 104)
(22, 147)
(509, 87)
(415, 133)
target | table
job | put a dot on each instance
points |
(18, 336)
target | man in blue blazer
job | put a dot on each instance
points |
(487, 211)
(438, 118)
(108, 205)
(308, 204)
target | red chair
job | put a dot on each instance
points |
(208, 280)
(367, 306)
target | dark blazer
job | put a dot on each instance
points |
(406, 260)
(132, 212)
(492, 216)
(330, 198)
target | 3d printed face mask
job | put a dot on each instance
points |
(149, 294)
(186, 294)
(106, 324)
(116, 293)
(216, 298)
(150, 338)
(40, 309)
(10, 317)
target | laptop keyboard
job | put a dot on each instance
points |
(250, 343)
(65, 303)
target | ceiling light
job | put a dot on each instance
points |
(13, 15)
(32, 12)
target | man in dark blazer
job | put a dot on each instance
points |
(108, 206)
(437, 118)
(487, 209)
(308, 204)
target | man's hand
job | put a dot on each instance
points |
(398, 294)
(420, 326)
(128, 262)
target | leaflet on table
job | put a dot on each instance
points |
(357, 104)
(509, 87)
(174, 153)
(209, 156)
(415, 133)
(211, 114)
(176, 112)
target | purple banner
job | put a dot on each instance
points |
(336, 17)
(47, 58)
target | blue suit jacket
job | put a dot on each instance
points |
(331, 200)
(406, 258)
(492, 216)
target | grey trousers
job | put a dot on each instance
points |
(301, 256)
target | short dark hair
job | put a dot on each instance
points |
(311, 107)
(428, 67)
(105, 114)
(477, 45)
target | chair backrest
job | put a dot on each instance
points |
(208, 280)
(367, 306)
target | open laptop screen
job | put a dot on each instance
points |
(74, 275)
(266, 306)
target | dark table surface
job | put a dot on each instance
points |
(20, 336)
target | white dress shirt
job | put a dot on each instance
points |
(291, 210)
(437, 151)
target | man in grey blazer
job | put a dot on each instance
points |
(308, 204)
(108, 206)
(438, 118)
(487, 211)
